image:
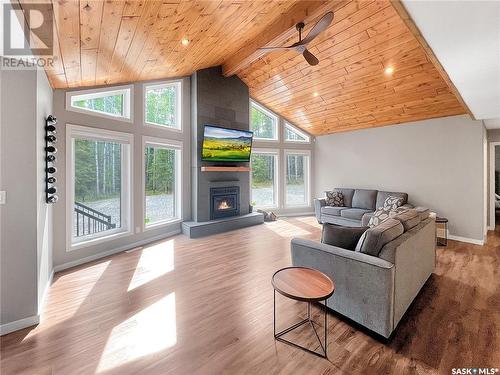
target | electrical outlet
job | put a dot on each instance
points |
(3, 197)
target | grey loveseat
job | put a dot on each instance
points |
(359, 205)
(374, 290)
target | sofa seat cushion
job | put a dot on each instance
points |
(363, 198)
(340, 236)
(330, 210)
(409, 219)
(383, 195)
(354, 213)
(372, 241)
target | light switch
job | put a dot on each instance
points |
(3, 197)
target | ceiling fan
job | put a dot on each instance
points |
(301, 45)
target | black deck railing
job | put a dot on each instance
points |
(89, 221)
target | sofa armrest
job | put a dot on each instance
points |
(318, 203)
(364, 285)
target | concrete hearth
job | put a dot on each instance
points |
(195, 229)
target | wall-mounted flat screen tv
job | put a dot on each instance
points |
(226, 145)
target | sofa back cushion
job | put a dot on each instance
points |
(363, 198)
(372, 241)
(383, 195)
(409, 219)
(348, 193)
(340, 236)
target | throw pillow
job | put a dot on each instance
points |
(392, 203)
(380, 215)
(335, 199)
(344, 237)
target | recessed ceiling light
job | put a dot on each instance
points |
(185, 42)
(389, 70)
(315, 94)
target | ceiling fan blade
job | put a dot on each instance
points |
(310, 58)
(270, 49)
(321, 26)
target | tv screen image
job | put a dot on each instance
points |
(227, 145)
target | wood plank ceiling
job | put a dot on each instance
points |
(109, 42)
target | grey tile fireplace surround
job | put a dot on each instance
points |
(221, 101)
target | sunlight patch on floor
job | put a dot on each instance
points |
(149, 331)
(155, 261)
(286, 229)
(309, 220)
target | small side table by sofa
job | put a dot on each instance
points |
(441, 226)
(306, 285)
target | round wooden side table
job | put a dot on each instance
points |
(305, 285)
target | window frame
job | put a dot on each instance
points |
(293, 128)
(275, 118)
(276, 154)
(178, 83)
(307, 177)
(126, 207)
(167, 144)
(128, 101)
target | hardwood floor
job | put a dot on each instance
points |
(205, 306)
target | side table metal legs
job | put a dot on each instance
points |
(278, 336)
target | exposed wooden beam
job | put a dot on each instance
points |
(278, 33)
(405, 16)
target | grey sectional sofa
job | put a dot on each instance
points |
(359, 205)
(374, 287)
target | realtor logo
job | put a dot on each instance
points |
(36, 20)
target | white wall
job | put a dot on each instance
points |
(18, 177)
(438, 162)
(63, 258)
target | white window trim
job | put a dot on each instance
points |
(128, 101)
(294, 129)
(275, 117)
(178, 104)
(127, 225)
(307, 180)
(276, 154)
(170, 144)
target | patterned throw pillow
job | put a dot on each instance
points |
(383, 214)
(335, 199)
(392, 203)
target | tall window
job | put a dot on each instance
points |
(296, 178)
(293, 134)
(161, 182)
(263, 123)
(162, 105)
(98, 163)
(111, 103)
(264, 178)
